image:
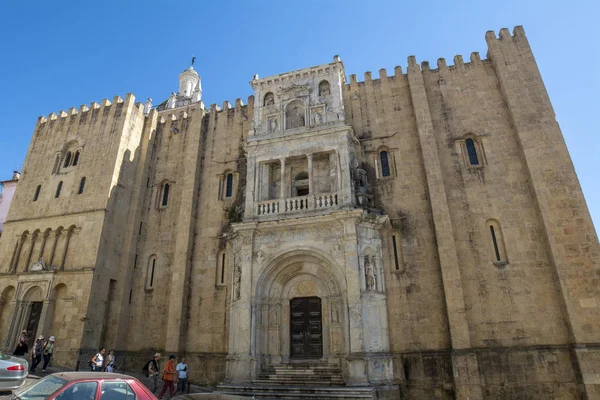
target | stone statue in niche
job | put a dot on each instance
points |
(335, 314)
(269, 99)
(237, 283)
(259, 257)
(370, 277)
(324, 88)
(294, 115)
(273, 125)
(318, 118)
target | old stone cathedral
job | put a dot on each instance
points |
(418, 235)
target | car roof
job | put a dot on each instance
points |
(73, 376)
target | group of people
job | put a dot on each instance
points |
(42, 349)
(102, 362)
(170, 374)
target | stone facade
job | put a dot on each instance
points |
(7, 191)
(425, 232)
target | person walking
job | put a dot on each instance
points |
(22, 348)
(168, 377)
(36, 353)
(182, 369)
(97, 362)
(47, 352)
(110, 361)
(150, 370)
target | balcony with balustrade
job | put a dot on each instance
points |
(297, 186)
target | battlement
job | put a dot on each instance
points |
(458, 60)
(105, 104)
(238, 105)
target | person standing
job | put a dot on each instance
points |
(182, 371)
(36, 353)
(150, 370)
(97, 362)
(22, 348)
(168, 377)
(110, 361)
(48, 351)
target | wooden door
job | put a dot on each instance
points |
(306, 329)
(34, 321)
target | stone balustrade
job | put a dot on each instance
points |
(297, 204)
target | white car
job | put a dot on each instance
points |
(13, 372)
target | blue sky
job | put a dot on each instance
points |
(57, 55)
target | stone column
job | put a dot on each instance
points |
(41, 253)
(46, 315)
(64, 253)
(33, 239)
(11, 310)
(309, 157)
(56, 235)
(15, 261)
(282, 179)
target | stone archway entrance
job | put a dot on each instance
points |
(306, 328)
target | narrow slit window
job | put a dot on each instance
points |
(223, 268)
(76, 159)
(130, 293)
(165, 195)
(385, 165)
(395, 246)
(152, 268)
(135, 261)
(81, 185)
(472, 152)
(229, 186)
(495, 241)
(67, 160)
(37, 192)
(58, 189)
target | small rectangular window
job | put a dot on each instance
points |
(37, 192)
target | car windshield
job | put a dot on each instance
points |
(41, 390)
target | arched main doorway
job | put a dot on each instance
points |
(299, 309)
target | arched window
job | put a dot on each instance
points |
(323, 88)
(67, 159)
(269, 99)
(472, 151)
(164, 195)
(294, 115)
(385, 165)
(81, 185)
(151, 273)
(497, 241)
(76, 158)
(37, 192)
(229, 185)
(58, 189)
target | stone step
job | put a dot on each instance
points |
(297, 392)
(302, 382)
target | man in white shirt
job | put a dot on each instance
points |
(182, 369)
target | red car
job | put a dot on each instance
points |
(85, 386)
